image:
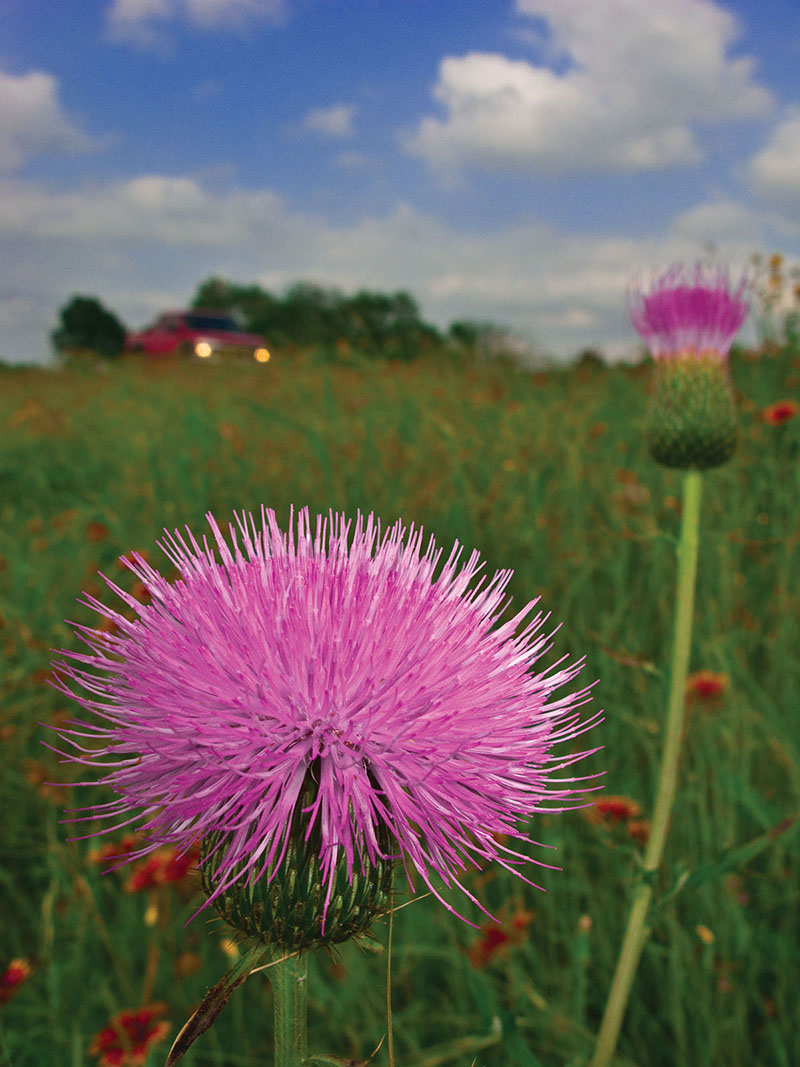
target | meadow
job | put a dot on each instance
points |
(544, 472)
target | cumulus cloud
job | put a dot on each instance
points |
(335, 121)
(143, 245)
(33, 121)
(722, 222)
(143, 22)
(775, 170)
(154, 209)
(626, 84)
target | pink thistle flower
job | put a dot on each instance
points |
(689, 311)
(689, 319)
(332, 656)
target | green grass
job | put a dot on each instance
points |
(545, 473)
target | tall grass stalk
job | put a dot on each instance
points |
(637, 931)
(545, 473)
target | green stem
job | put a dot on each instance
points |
(636, 932)
(290, 994)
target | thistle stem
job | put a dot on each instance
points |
(290, 994)
(636, 933)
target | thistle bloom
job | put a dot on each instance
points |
(689, 312)
(688, 319)
(322, 690)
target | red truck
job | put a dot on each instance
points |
(197, 334)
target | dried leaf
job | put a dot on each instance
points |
(213, 1003)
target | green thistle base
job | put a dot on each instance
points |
(288, 910)
(692, 422)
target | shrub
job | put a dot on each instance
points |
(85, 323)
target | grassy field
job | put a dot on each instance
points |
(545, 473)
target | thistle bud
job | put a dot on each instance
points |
(299, 904)
(689, 320)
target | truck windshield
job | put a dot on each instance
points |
(211, 322)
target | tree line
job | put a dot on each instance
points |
(368, 323)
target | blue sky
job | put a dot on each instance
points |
(514, 160)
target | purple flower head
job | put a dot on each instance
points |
(333, 654)
(689, 311)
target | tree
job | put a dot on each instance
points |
(482, 339)
(373, 324)
(388, 325)
(215, 293)
(85, 323)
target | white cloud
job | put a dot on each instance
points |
(142, 22)
(33, 121)
(775, 170)
(634, 78)
(721, 222)
(335, 121)
(144, 245)
(151, 209)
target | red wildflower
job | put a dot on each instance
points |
(611, 809)
(495, 938)
(639, 830)
(114, 849)
(17, 972)
(129, 1036)
(96, 532)
(176, 867)
(706, 685)
(144, 876)
(165, 865)
(780, 412)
